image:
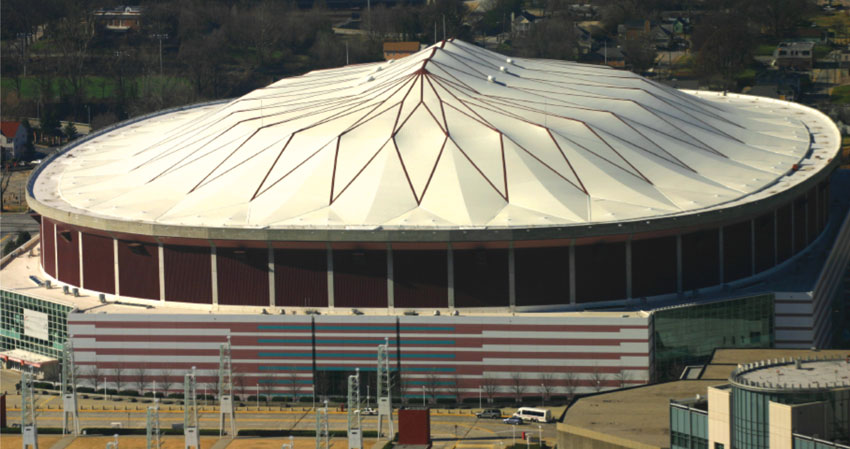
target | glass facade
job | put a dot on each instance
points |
(688, 427)
(12, 306)
(688, 335)
(805, 442)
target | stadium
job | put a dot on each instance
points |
(453, 193)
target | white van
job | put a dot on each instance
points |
(533, 414)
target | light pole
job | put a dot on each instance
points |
(258, 395)
(160, 37)
(542, 395)
(513, 434)
(367, 395)
(88, 110)
(423, 395)
(479, 396)
(539, 436)
(104, 388)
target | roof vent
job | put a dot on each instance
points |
(76, 292)
(509, 61)
(798, 363)
(502, 68)
(102, 298)
(491, 79)
(47, 284)
(65, 289)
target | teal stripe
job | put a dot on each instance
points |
(285, 368)
(345, 355)
(297, 341)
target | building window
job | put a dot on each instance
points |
(718, 445)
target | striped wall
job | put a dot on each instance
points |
(456, 353)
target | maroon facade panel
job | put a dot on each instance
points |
(98, 263)
(700, 259)
(737, 251)
(48, 248)
(360, 278)
(138, 269)
(653, 266)
(765, 235)
(799, 224)
(243, 276)
(188, 273)
(600, 272)
(414, 427)
(68, 253)
(420, 278)
(542, 276)
(301, 277)
(481, 277)
(784, 236)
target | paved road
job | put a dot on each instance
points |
(13, 223)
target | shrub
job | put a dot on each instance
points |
(128, 393)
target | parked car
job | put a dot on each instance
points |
(368, 411)
(493, 413)
(512, 420)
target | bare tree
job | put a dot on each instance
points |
(239, 382)
(92, 374)
(294, 386)
(140, 375)
(214, 383)
(118, 376)
(432, 386)
(166, 378)
(570, 384)
(267, 388)
(517, 386)
(490, 386)
(455, 387)
(623, 377)
(547, 385)
(597, 379)
(5, 178)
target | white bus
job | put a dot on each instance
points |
(533, 414)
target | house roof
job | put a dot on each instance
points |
(9, 128)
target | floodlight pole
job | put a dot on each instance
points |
(152, 428)
(29, 427)
(225, 389)
(322, 428)
(384, 390)
(69, 390)
(355, 432)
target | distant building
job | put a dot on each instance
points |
(779, 403)
(397, 50)
(523, 22)
(13, 140)
(119, 18)
(794, 55)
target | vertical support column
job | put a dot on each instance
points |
(390, 282)
(56, 255)
(720, 251)
(161, 251)
(775, 237)
(572, 271)
(80, 254)
(752, 247)
(511, 277)
(330, 256)
(214, 268)
(450, 276)
(272, 295)
(679, 272)
(629, 267)
(117, 267)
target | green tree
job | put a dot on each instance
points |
(70, 131)
(724, 45)
(640, 52)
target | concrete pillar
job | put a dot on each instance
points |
(450, 263)
(271, 277)
(511, 277)
(330, 256)
(720, 251)
(214, 265)
(117, 267)
(679, 273)
(390, 282)
(80, 254)
(161, 251)
(629, 267)
(573, 272)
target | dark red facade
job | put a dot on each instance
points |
(700, 259)
(243, 276)
(653, 266)
(189, 277)
(48, 247)
(600, 272)
(68, 254)
(301, 277)
(99, 266)
(360, 278)
(737, 251)
(138, 274)
(481, 277)
(420, 278)
(542, 276)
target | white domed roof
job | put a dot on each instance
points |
(452, 136)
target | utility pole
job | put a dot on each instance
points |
(384, 390)
(191, 432)
(322, 428)
(160, 37)
(69, 389)
(29, 427)
(225, 389)
(355, 432)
